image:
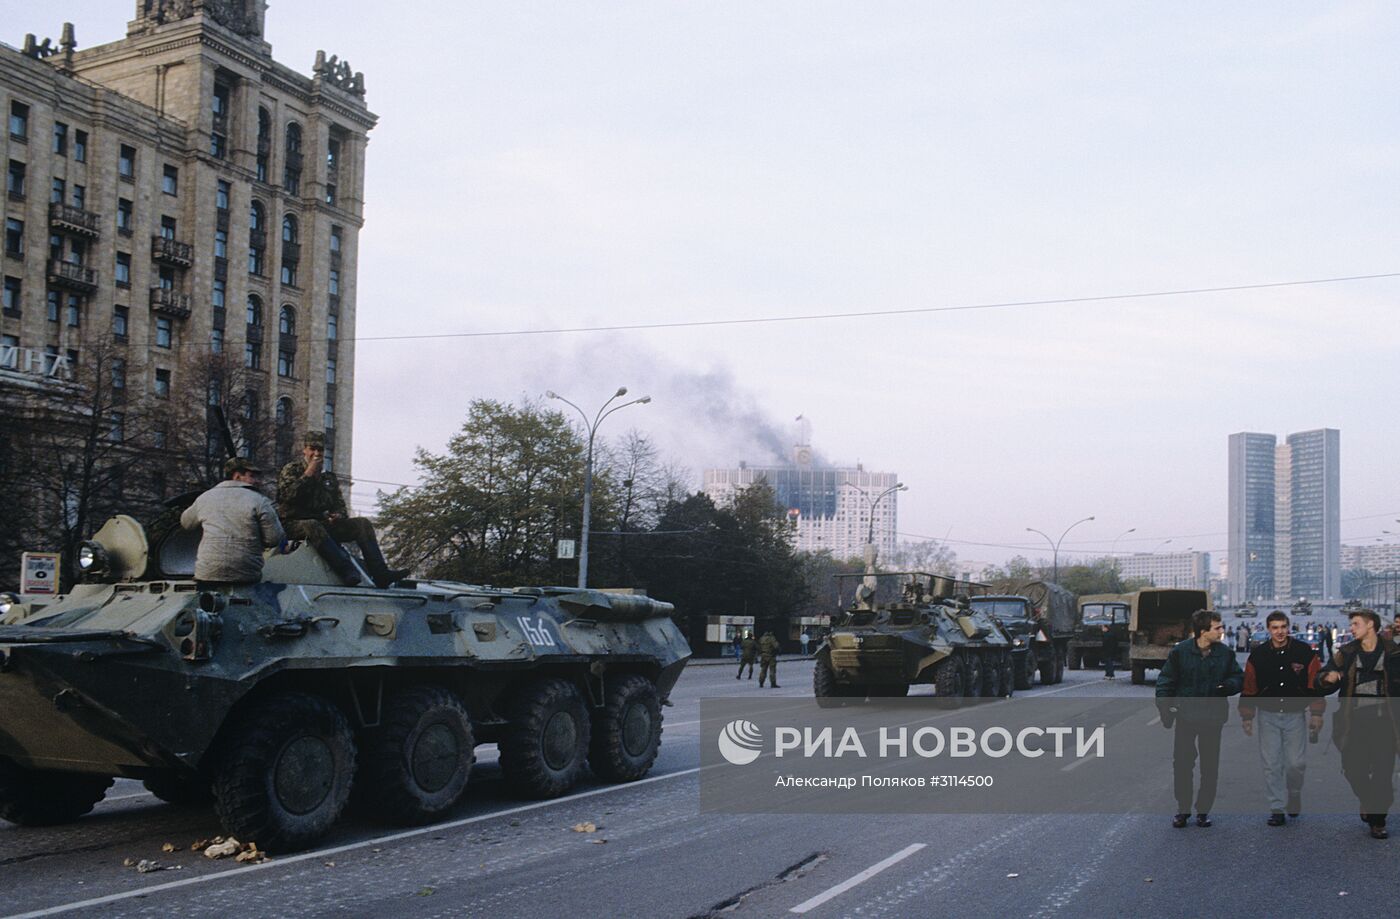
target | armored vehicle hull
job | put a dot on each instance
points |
(929, 634)
(280, 699)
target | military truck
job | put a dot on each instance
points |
(1159, 618)
(283, 700)
(1095, 612)
(1040, 617)
(904, 628)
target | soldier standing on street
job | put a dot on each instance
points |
(768, 659)
(748, 650)
(313, 509)
(1110, 651)
(238, 523)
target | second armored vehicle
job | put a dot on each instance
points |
(913, 627)
(282, 699)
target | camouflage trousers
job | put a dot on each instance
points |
(326, 536)
(745, 662)
(768, 669)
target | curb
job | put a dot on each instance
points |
(732, 662)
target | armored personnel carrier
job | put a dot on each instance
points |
(283, 700)
(913, 627)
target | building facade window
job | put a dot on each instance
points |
(216, 341)
(73, 311)
(118, 373)
(60, 139)
(289, 274)
(12, 297)
(117, 429)
(330, 370)
(126, 162)
(332, 327)
(164, 331)
(287, 321)
(123, 274)
(19, 121)
(328, 416)
(221, 244)
(336, 240)
(54, 303)
(254, 310)
(125, 216)
(221, 195)
(167, 227)
(333, 286)
(291, 165)
(217, 296)
(121, 322)
(14, 179)
(80, 141)
(80, 197)
(289, 229)
(252, 356)
(14, 236)
(163, 383)
(284, 412)
(57, 189)
(285, 360)
(170, 180)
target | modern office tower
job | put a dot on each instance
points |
(1251, 516)
(1315, 519)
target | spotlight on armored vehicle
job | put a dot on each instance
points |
(912, 627)
(283, 699)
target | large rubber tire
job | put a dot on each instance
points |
(179, 789)
(1008, 675)
(973, 666)
(627, 730)
(1023, 667)
(1048, 668)
(415, 765)
(1076, 660)
(948, 680)
(1139, 673)
(828, 692)
(283, 772)
(545, 745)
(43, 797)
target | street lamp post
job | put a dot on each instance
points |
(1055, 545)
(1113, 547)
(870, 534)
(592, 429)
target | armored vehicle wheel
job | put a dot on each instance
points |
(1076, 660)
(627, 731)
(825, 687)
(991, 676)
(948, 681)
(283, 772)
(973, 666)
(184, 790)
(544, 747)
(1023, 670)
(43, 797)
(415, 764)
(1048, 668)
(1139, 673)
(1008, 674)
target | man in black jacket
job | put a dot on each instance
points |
(1280, 683)
(1197, 676)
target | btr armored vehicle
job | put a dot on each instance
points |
(283, 700)
(1040, 618)
(913, 627)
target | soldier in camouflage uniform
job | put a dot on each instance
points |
(768, 659)
(312, 508)
(748, 652)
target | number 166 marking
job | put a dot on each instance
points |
(537, 634)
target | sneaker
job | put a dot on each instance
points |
(1179, 820)
(1277, 819)
(1203, 820)
(1379, 832)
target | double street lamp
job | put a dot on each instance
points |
(874, 503)
(592, 428)
(1055, 544)
(1113, 546)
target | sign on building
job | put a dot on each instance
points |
(566, 548)
(38, 574)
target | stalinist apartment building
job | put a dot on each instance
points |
(179, 193)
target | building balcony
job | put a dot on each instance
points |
(74, 220)
(221, 220)
(291, 252)
(287, 341)
(255, 333)
(293, 160)
(257, 239)
(73, 277)
(171, 252)
(170, 302)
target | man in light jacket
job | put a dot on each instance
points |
(239, 522)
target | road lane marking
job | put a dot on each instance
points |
(807, 906)
(1156, 720)
(1075, 765)
(348, 847)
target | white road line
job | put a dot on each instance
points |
(1076, 764)
(348, 847)
(1155, 720)
(807, 906)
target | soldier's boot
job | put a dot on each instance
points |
(383, 575)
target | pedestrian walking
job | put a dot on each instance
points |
(1197, 676)
(1366, 673)
(805, 639)
(1280, 697)
(768, 659)
(238, 522)
(748, 652)
(1110, 652)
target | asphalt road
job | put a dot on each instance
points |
(655, 854)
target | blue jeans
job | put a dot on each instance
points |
(1283, 748)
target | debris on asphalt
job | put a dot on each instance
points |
(1148, 880)
(598, 841)
(329, 864)
(168, 847)
(1013, 875)
(222, 848)
(199, 845)
(585, 827)
(426, 891)
(147, 865)
(251, 854)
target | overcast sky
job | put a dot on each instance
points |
(543, 165)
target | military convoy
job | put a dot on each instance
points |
(283, 700)
(1040, 617)
(905, 628)
(1095, 612)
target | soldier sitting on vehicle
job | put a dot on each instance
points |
(238, 522)
(313, 509)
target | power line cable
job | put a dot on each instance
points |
(866, 314)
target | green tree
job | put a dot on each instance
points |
(492, 507)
